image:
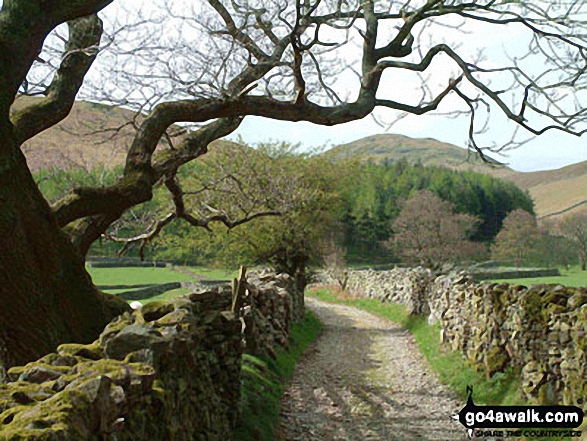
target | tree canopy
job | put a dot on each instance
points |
(517, 237)
(373, 195)
(574, 227)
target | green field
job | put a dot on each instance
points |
(135, 276)
(205, 273)
(573, 277)
(166, 295)
(147, 276)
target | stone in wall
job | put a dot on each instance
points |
(407, 286)
(269, 311)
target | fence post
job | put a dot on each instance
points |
(239, 287)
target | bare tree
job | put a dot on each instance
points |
(428, 231)
(574, 227)
(334, 260)
(211, 65)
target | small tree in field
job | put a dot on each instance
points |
(517, 237)
(334, 260)
(429, 232)
(574, 227)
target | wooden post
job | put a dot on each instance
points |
(239, 287)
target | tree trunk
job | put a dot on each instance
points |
(46, 295)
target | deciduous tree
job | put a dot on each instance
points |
(429, 232)
(273, 59)
(574, 227)
(300, 236)
(517, 237)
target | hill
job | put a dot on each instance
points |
(96, 135)
(92, 136)
(427, 151)
(554, 192)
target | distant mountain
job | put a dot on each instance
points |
(555, 192)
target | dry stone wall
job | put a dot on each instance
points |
(169, 371)
(539, 331)
(269, 309)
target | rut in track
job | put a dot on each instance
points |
(364, 379)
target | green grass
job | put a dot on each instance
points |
(118, 291)
(211, 273)
(264, 382)
(135, 276)
(573, 277)
(169, 295)
(451, 368)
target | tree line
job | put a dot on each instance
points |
(303, 205)
(375, 199)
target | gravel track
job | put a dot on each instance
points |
(364, 379)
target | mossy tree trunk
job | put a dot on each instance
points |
(47, 296)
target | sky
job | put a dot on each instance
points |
(554, 149)
(549, 151)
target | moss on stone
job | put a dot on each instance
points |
(16, 372)
(114, 327)
(115, 369)
(50, 420)
(92, 352)
(155, 310)
(532, 303)
(54, 360)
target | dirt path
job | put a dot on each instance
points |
(364, 379)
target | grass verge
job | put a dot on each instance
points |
(451, 368)
(264, 382)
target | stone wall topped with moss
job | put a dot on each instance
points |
(539, 331)
(168, 371)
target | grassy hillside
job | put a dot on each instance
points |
(428, 151)
(95, 135)
(555, 192)
(92, 136)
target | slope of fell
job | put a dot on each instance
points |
(555, 192)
